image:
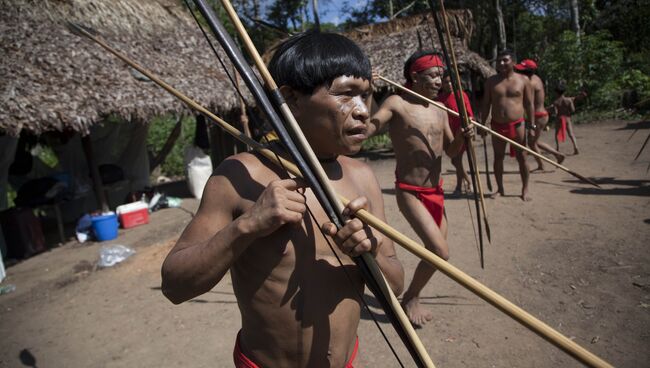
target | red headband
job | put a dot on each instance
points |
(423, 63)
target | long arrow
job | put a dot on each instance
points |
(419, 250)
(457, 89)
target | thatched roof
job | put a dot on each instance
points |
(53, 80)
(389, 44)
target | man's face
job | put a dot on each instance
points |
(504, 64)
(334, 119)
(429, 81)
(446, 84)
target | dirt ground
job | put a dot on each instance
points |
(576, 257)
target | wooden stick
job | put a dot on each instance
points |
(460, 102)
(410, 245)
(488, 130)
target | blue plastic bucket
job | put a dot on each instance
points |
(105, 227)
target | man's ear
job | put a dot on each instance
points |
(291, 97)
(414, 77)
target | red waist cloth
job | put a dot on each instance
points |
(242, 361)
(508, 130)
(541, 114)
(561, 133)
(433, 199)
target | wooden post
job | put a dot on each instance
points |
(94, 173)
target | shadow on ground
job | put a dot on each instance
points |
(630, 187)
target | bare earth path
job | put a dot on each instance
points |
(576, 257)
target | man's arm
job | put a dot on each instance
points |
(529, 101)
(382, 115)
(213, 240)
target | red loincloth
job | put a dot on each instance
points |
(508, 130)
(561, 133)
(242, 361)
(433, 199)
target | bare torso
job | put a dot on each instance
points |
(298, 306)
(417, 131)
(507, 97)
(564, 106)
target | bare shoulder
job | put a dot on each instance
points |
(238, 177)
(393, 102)
(537, 83)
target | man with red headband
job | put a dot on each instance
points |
(528, 67)
(508, 97)
(420, 133)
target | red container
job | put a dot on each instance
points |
(135, 218)
(133, 214)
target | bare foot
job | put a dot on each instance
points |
(575, 151)
(524, 196)
(538, 169)
(457, 192)
(496, 195)
(417, 314)
(560, 158)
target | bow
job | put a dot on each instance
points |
(499, 302)
(296, 144)
(457, 89)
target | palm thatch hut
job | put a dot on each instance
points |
(389, 44)
(55, 80)
(52, 80)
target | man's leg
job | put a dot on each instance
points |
(569, 128)
(523, 165)
(461, 174)
(541, 123)
(499, 150)
(533, 139)
(434, 239)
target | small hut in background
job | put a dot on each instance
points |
(91, 107)
(389, 44)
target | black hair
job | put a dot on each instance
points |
(526, 72)
(508, 52)
(416, 55)
(311, 59)
(560, 88)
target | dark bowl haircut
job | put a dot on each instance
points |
(416, 55)
(508, 52)
(312, 59)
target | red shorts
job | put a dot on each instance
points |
(433, 199)
(508, 130)
(242, 361)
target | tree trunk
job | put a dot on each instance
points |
(314, 4)
(575, 18)
(500, 25)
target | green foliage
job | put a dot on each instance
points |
(594, 64)
(46, 155)
(377, 142)
(159, 130)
